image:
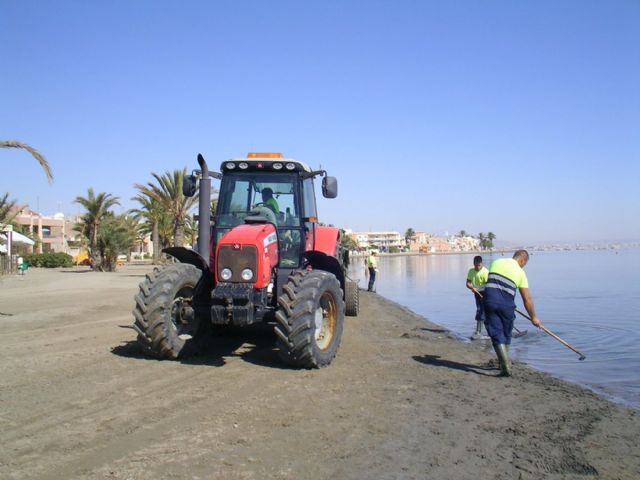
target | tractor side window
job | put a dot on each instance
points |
(238, 201)
(309, 199)
(234, 202)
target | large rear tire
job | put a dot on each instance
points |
(164, 313)
(351, 299)
(310, 319)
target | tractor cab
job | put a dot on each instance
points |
(278, 191)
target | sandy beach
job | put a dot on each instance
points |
(402, 400)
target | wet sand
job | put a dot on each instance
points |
(401, 400)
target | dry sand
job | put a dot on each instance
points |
(401, 400)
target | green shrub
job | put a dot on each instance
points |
(49, 260)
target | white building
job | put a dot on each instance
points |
(380, 240)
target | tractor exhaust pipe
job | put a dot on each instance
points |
(204, 211)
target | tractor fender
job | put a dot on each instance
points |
(327, 240)
(321, 261)
(186, 255)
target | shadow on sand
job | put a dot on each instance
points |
(253, 346)
(437, 361)
(137, 275)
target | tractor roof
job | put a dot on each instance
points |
(264, 162)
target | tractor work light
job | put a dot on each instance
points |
(231, 165)
(277, 166)
(247, 274)
(243, 165)
(226, 274)
(264, 155)
(291, 166)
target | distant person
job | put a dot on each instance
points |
(270, 202)
(476, 279)
(505, 276)
(372, 266)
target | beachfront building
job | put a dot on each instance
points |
(419, 242)
(466, 243)
(360, 239)
(424, 242)
(383, 241)
(57, 233)
(142, 248)
(51, 233)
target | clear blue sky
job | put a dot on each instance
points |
(522, 118)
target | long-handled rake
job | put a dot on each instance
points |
(550, 333)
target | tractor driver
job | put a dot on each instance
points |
(269, 201)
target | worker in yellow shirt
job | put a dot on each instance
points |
(372, 266)
(506, 276)
(476, 279)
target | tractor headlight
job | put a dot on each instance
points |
(291, 166)
(231, 165)
(247, 274)
(225, 274)
(277, 166)
(243, 165)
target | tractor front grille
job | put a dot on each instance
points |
(237, 258)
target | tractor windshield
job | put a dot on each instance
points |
(242, 194)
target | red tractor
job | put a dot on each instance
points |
(263, 258)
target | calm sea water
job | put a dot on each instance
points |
(589, 298)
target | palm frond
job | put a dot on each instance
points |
(34, 153)
(8, 210)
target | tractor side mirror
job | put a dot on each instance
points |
(329, 187)
(189, 185)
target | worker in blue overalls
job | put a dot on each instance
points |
(506, 275)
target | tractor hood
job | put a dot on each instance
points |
(249, 246)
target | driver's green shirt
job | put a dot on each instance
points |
(273, 205)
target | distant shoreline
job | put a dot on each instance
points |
(420, 254)
(500, 251)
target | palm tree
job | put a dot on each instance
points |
(117, 235)
(168, 193)
(214, 204)
(37, 155)
(151, 215)
(482, 239)
(97, 207)
(490, 238)
(7, 210)
(190, 230)
(462, 233)
(408, 235)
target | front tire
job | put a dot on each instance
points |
(310, 319)
(164, 313)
